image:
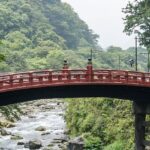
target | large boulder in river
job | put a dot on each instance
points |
(76, 144)
(33, 144)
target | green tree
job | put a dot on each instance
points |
(137, 20)
(2, 57)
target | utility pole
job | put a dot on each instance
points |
(148, 57)
(92, 52)
(148, 61)
(119, 62)
(91, 55)
(136, 40)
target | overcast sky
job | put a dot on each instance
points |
(104, 17)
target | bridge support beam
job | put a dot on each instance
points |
(140, 111)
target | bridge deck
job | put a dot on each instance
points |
(25, 80)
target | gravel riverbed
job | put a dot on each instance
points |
(42, 127)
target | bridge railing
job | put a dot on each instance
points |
(51, 77)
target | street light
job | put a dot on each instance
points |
(130, 61)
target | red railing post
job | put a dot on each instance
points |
(30, 78)
(89, 73)
(66, 71)
(21, 81)
(126, 76)
(109, 76)
(11, 80)
(65, 67)
(50, 76)
(143, 78)
(40, 79)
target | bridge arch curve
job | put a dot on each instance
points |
(67, 83)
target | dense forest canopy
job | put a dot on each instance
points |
(38, 22)
(33, 31)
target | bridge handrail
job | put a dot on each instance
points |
(71, 76)
(75, 70)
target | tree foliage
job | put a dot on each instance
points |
(137, 20)
(33, 30)
(109, 122)
(2, 57)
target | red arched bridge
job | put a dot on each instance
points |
(65, 83)
(87, 82)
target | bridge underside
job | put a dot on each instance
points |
(134, 93)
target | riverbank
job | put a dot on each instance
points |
(42, 124)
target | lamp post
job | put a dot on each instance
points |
(120, 59)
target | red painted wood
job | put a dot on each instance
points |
(43, 78)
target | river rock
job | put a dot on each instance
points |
(31, 116)
(40, 128)
(60, 140)
(45, 133)
(33, 144)
(10, 125)
(51, 145)
(65, 139)
(76, 144)
(16, 137)
(47, 108)
(58, 103)
(7, 124)
(20, 143)
(56, 141)
(66, 131)
(3, 132)
(39, 104)
(64, 146)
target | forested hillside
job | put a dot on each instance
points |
(32, 30)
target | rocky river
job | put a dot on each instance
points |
(41, 127)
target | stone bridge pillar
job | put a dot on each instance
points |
(141, 109)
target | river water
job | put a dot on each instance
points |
(49, 115)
